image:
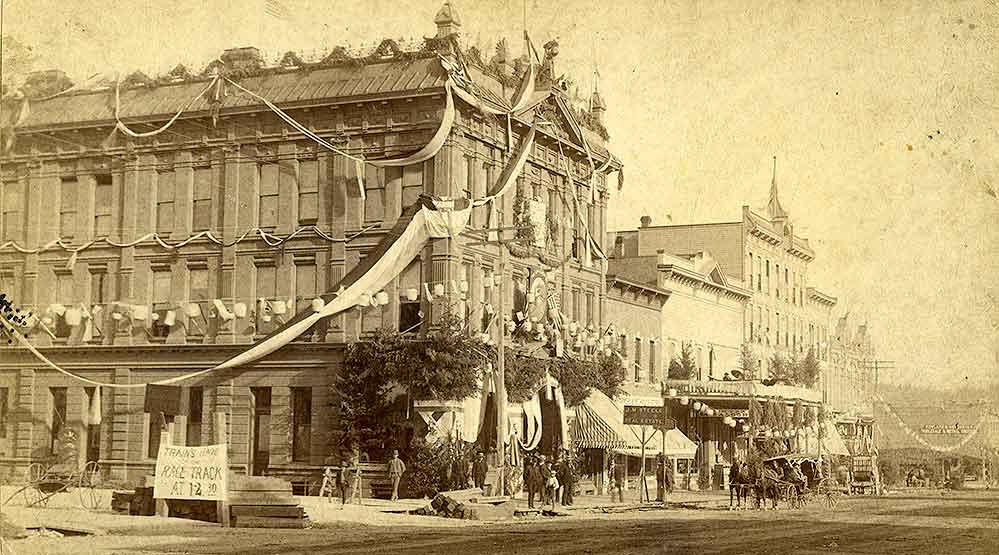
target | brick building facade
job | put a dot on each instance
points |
(142, 312)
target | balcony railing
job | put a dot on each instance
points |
(743, 389)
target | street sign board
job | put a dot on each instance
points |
(648, 416)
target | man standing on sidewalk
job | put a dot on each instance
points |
(479, 470)
(616, 474)
(396, 468)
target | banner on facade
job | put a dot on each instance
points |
(947, 429)
(192, 472)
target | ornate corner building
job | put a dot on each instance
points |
(107, 237)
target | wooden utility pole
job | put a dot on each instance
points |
(501, 374)
(500, 380)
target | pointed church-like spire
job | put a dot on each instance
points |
(776, 211)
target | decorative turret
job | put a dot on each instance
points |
(447, 20)
(776, 212)
(597, 104)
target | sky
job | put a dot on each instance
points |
(884, 117)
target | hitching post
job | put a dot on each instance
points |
(162, 509)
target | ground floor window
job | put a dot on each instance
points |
(157, 424)
(301, 399)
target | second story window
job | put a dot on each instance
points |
(202, 204)
(102, 205)
(308, 192)
(162, 284)
(13, 203)
(306, 286)
(267, 214)
(638, 359)
(266, 288)
(67, 207)
(164, 202)
(66, 296)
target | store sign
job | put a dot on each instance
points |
(952, 429)
(648, 416)
(732, 413)
(192, 472)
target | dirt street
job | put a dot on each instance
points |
(915, 524)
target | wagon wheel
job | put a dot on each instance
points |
(36, 473)
(87, 484)
(831, 499)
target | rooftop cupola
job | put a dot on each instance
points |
(447, 20)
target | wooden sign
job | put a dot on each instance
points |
(648, 416)
(192, 472)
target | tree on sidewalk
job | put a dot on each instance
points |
(748, 364)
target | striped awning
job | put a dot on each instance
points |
(590, 431)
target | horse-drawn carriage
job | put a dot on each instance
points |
(795, 479)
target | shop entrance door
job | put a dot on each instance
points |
(260, 435)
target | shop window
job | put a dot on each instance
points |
(195, 414)
(155, 428)
(301, 443)
(57, 399)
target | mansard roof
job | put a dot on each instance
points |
(285, 87)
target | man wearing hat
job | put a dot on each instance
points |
(479, 470)
(396, 468)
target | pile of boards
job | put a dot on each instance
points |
(264, 502)
(469, 504)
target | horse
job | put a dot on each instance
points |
(765, 486)
(739, 483)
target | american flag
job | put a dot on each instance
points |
(555, 311)
(275, 8)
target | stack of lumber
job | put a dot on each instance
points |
(465, 504)
(141, 503)
(121, 501)
(263, 502)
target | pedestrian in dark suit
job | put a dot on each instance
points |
(546, 473)
(566, 480)
(479, 470)
(535, 482)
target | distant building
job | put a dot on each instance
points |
(761, 254)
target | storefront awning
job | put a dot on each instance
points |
(600, 424)
(832, 442)
(590, 431)
(677, 445)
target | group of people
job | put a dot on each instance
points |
(550, 481)
(916, 478)
(347, 481)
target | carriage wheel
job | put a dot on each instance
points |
(87, 484)
(831, 499)
(36, 473)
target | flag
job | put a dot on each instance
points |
(276, 9)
